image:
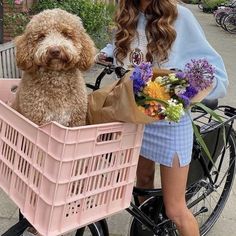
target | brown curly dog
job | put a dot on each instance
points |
(52, 52)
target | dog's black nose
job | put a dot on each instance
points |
(54, 51)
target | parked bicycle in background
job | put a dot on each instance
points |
(225, 16)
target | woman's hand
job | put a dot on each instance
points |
(102, 58)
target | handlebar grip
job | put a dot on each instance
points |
(109, 59)
(106, 62)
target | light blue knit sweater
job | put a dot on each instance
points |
(190, 43)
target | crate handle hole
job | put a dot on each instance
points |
(106, 137)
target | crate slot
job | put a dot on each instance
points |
(11, 134)
(8, 153)
(109, 137)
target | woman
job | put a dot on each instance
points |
(166, 34)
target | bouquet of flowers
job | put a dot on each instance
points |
(145, 95)
(167, 97)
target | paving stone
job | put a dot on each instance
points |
(223, 227)
(5, 224)
(7, 207)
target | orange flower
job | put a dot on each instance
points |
(155, 90)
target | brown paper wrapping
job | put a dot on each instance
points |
(116, 102)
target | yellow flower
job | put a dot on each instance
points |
(155, 90)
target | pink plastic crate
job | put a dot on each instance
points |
(64, 178)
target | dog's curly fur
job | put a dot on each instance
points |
(52, 52)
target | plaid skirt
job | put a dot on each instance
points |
(163, 139)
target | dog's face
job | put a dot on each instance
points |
(54, 40)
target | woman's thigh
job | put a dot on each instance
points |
(145, 173)
(173, 180)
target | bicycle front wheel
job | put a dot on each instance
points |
(208, 198)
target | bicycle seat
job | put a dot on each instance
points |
(212, 104)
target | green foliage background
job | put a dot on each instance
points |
(212, 3)
(96, 17)
(209, 3)
(15, 21)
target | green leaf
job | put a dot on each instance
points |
(213, 114)
(209, 111)
(197, 133)
(156, 100)
(202, 143)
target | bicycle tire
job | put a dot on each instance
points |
(200, 6)
(221, 21)
(230, 23)
(203, 186)
(94, 229)
(218, 17)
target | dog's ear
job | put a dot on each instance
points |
(88, 52)
(24, 53)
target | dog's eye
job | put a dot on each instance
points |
(67, 35)
(41, 37)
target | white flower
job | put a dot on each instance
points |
(167, 88)
(159, 79)
(179, 89)
(172, 102)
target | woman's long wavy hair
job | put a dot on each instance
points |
(160, 33)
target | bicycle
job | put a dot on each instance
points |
(206, 182)
(199, 4)
(229, 23)
(222, 11)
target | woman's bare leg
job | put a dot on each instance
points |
(145, 175)
(174, 181)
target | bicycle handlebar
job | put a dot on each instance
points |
(109, 68)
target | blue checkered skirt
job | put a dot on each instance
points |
(162, 140)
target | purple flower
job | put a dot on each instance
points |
(199, 73)
(185, 100)
(189, 93)
(138, 82)
(140, 76)
(147, 72)
(180, 75)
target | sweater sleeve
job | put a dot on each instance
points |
(191, 43)
(108, 50)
